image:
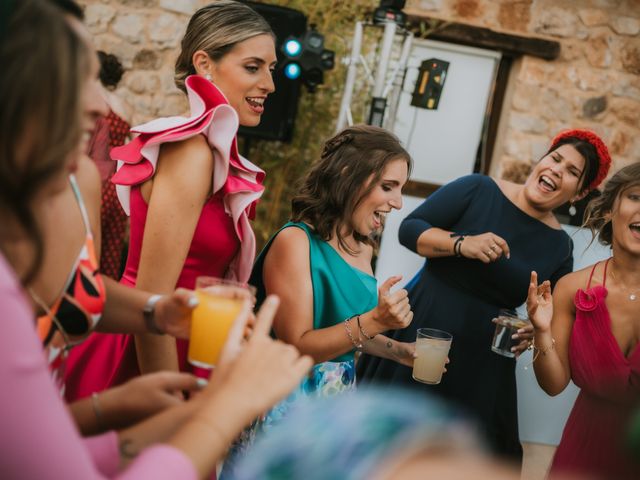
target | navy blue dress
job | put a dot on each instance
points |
(461, 296)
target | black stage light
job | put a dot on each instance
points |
(281, 106)
(309, 52)
(390, 11)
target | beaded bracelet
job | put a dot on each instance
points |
(364, 334)
(347, 327)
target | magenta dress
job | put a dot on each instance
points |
(223, 244)
(593, 441)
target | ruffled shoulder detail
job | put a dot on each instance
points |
(587, 300)
(235, 177)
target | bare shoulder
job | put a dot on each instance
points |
(190, 150)
(290, 245)
(571, 282)
(187, 164)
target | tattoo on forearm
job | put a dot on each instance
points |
(441, 250)
(127, 450)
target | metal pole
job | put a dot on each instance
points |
(344, 115)
(385, 54)
(397, 81)
(378, 100)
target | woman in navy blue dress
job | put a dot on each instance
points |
(482, 238)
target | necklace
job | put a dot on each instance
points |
(631, 295)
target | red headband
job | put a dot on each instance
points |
(603, 152)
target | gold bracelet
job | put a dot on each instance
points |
(364, 334)
(97, 411)
(537, 351)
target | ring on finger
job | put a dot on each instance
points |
(488, 253)
(494, 246)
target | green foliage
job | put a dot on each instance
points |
(285, 163)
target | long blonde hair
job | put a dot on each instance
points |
(216, 29)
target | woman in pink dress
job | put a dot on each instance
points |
(47, 95)
(588, 332)
(188, 191)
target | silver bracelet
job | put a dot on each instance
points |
(347, 327)
(148, 312)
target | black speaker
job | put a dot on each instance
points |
(281, 106)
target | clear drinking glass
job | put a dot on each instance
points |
(432, 348)
(507, 324)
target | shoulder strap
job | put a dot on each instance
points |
(604, 274)
(593, 269)
(83, 209)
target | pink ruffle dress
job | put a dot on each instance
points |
(223, 243)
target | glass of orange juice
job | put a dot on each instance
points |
(220, 302)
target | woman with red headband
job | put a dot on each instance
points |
(482, 237)
(588, 333)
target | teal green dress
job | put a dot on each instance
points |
(339, 292)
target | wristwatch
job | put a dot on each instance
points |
(148, 312)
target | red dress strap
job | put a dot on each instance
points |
(604, 278)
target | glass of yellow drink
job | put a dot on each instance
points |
(432, 348)
(220, 302)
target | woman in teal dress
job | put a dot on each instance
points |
(320, 262)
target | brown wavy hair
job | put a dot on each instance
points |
(599, 210)
(216, 29)
(350, 166)
(45, 65)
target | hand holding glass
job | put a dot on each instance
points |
(507, 324)
(432, 348)
(220, 302)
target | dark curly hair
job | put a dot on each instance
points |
(598, 212)
(110, 69)
(351, 164)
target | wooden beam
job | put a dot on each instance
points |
(512, 45)
(419, 189)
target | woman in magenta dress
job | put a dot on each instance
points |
(189, 193)
(588, 332)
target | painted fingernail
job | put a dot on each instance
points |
(514, 336)
(202, 382)
(193, 302)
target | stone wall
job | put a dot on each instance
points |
(145, 35)
(595, 83)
